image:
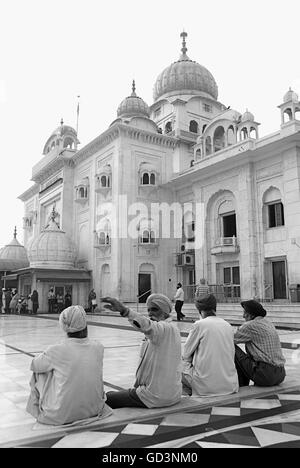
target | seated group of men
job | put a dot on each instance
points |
(67, 380)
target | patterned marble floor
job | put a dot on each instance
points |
(256, 418)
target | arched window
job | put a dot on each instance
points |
(244, 133)
(145, 178)
(104, 181)
(198, 154)
(152, 179)
(148, 236)
(273, 215)
(102, 238)
(145, 237)
(146, 232)
(297, 113)
(208, 146)
(53, 145)
(68, 143)
(227, 219)
(253, 133)
(192, 163)
(81, 192)
(287, 115)
(193, 126)
(219, 139)
(231, 136)
(188, 224)
(104, 234)
(168, 127)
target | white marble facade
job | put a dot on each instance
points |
(186, 148)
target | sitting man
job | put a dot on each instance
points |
(208, 354)
(158, 376)
(263, 362)
(67, 383)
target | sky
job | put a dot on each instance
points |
(52, 51)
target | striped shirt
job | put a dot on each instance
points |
(262, 341)
(202, 290)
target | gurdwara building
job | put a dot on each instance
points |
(98, 217)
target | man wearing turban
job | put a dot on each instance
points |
(263, 362)
(158, 376)
(208, 354)
(67, 383)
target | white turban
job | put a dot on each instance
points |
(73, 319)
(162, 302)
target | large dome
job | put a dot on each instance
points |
(13, 256)
(185, 77)
(133, 106)
(52, 248)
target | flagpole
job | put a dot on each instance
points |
(77, 116)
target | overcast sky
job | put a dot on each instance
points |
(53, 50)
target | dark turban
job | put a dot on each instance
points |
(206, 303)
(254, 308)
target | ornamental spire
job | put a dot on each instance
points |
(15, 232)
(184, 48)
(133, 88)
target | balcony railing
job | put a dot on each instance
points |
(224, 293)
(225, 245)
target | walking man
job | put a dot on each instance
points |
(179, 300)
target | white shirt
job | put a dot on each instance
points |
(179, 296)
(209, 358)
(74, 390)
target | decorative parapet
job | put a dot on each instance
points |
(125, 130)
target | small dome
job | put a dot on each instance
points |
(64, 133)
(52, 248)
(291, 96)
(133, 106)
(247, 117)
(13, 256)
(63, 130)
(185, 77)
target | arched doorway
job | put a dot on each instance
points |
(145, 281)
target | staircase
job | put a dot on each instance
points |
(282, 315)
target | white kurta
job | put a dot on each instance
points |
(73, 389)
(158, 376)
(209, 358)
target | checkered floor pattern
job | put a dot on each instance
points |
(272, 421)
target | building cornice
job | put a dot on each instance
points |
(52, 167)
(248, 151)
(29, 193)
(118, 130)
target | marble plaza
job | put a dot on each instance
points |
(255, 417)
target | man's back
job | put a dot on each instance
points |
(75, 389)
(210, 349)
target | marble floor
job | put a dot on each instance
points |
(255, 417)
